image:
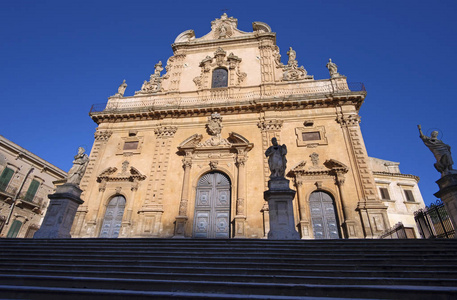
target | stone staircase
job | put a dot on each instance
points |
(227, 269)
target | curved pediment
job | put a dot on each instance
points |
(224, 27)
(191, 141)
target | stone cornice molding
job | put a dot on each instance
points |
(398, 175)
(154, 111)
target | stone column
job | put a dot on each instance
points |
(181, 219)
(61, 212)
(240, 218)
(303, 204)
(448, 194)
(280, 197)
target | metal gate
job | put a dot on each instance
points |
(323, 216)
(113, 218)
(212, 207)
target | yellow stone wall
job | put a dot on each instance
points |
(264, 99)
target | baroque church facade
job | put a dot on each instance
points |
(185, 156)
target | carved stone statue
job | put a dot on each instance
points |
(292, 55)
(158, 68)
(276, 159)
(440, 150)
(332, 68)
(121, 90)
(79, 167)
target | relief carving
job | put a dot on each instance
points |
(291, 70)
(154, 84)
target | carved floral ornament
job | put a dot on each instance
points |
(220, 59)
(154, 84)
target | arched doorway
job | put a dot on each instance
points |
(212, 207)
(323, 216)
(113, 217)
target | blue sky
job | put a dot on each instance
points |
(60, 57)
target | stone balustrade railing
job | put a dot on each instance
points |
(226, 96)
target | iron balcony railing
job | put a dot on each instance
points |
(434, 222)
(216, 98)
(398, 231)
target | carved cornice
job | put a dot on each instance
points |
(398, 175)
(157, 110)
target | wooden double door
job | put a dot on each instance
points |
(212, 207)
(323, 216)
(113, 218)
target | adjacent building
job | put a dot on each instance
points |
(399, 192)
(185, 156)
(25, 182)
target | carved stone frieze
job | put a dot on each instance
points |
(102, 135)
(348, 120)
(165, 131)
(270, 125)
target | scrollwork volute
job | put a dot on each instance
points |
(154, 84)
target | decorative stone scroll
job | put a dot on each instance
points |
(154, 84)
(291, 71)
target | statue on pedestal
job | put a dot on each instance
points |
(440, 150)
(332, 68)
(79, 167)
(277, 159)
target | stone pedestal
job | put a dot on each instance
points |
(280, 197)
(448, 194)
(61, 213)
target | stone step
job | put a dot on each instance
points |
(46, 293)
(335, 278)
(318, 270)
(388, 291)
(232, 261)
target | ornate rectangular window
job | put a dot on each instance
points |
(131, 145)
(310, 136)
(384, 193)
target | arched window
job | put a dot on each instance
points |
(220, 78)
(113, 217)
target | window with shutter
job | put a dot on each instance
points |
(409, 196)
(384, 193)
(33, 188)
(14, 229)
(5, 178)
